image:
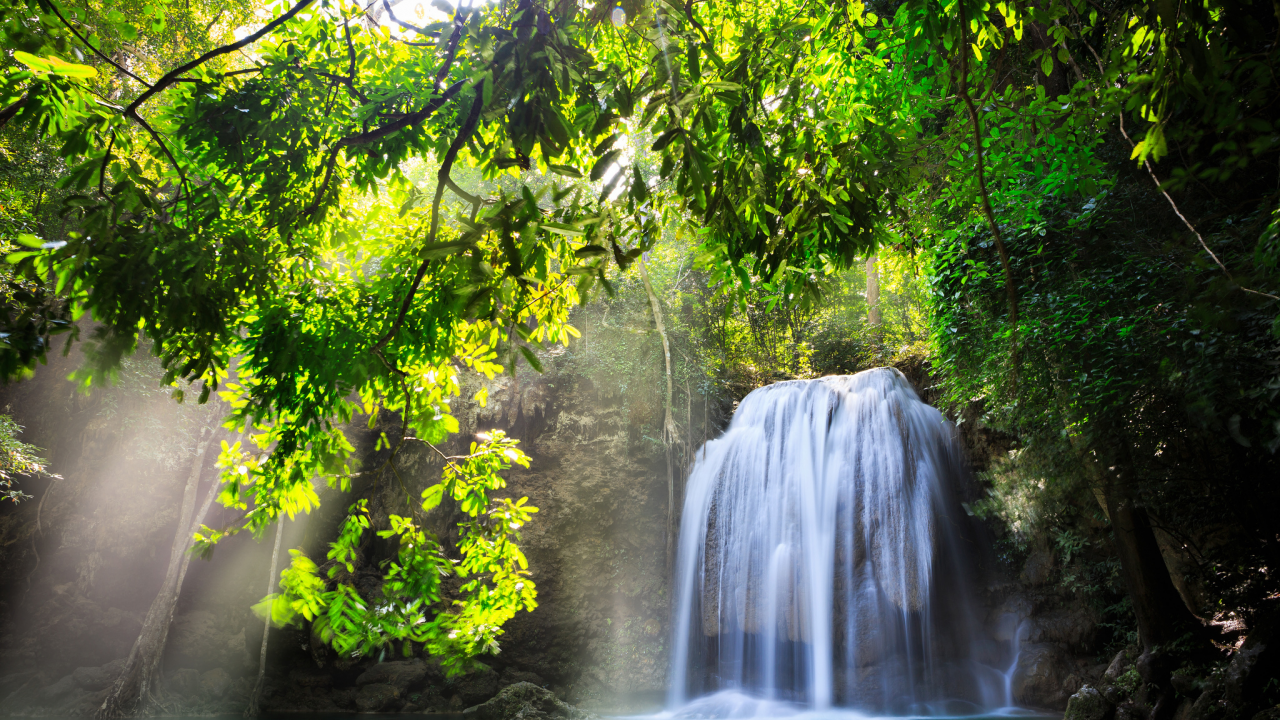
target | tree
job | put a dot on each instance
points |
(252, 209)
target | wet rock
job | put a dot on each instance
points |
(1121, 662)
(378, 697)
(183, 683)
(1271, 714)
(1040, 676)
(61, 689)
(305, 679)
(1254, 665)
(525, 701)
(1038, 569)
(404, 675)
(477, 687)
(214, 683)
(511, 676)
(345, 698)
(97, 678)
(1088, 704)
(1072, 626)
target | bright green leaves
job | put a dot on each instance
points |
(410, 606)
(54, 66)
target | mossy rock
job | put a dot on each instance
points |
(525, 701)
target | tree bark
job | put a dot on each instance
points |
(670, 433)
(137, 680)
(873, 293)
(1162, 616)
(256, 696)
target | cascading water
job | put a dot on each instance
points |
(822, 557)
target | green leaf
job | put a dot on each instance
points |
(432, 496)
(435, 251)
(531, 358)
(562, 229)
(55, 66)
(590, 251)
(602, 165)
(565, 170)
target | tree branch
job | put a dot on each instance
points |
(7, 114)
(172, 76)
(464, 133)
(1151, 171)
(407, 26)
(1011, 292)
(377, 134)
(54, 9)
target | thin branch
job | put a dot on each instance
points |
(156, 136)
(86, 43)
(407, 26)
(377, 134)
(102, 171)
(1010, 291)
(7, 114)
(351, 52)
(1151, 171)
(464, 133)
(172, 76)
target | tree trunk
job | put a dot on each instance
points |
(256, 697)
(873, 293)
(136, 682)
(1162, 616)
(670, 433)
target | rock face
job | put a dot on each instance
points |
(597, 551)
(1088, 704)
(525, 701)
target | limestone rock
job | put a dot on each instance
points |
(525, 701)
(183, 683)
(1272, 714)
(404, 675)
(477, 687)
(97, 678)
(214, 683)
(377, 697)
(1040, 676)
(1088, 704)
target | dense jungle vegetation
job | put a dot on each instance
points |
(322, 210)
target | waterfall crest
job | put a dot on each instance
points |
(821, 560)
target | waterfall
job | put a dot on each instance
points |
(822, 556)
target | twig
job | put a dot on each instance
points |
(1010, 291)
(102, 172)
(171, 76)
(8, 113)
(468, 127)
(86, 43)
(407, 26)
(377, 134)
(1151, 171)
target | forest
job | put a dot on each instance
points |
(331, 233)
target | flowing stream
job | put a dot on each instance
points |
(824, 560)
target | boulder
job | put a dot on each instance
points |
(1272, 714)
(476, 687)
(61, 689)
(1040, 676)
(404, 675)
(97, 678)
(183, 683)
(214, 683)
(524, 701)
(378, 697)
(1088, 704)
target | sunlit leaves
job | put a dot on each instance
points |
(410, 606)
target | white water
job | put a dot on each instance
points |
(822, 561)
